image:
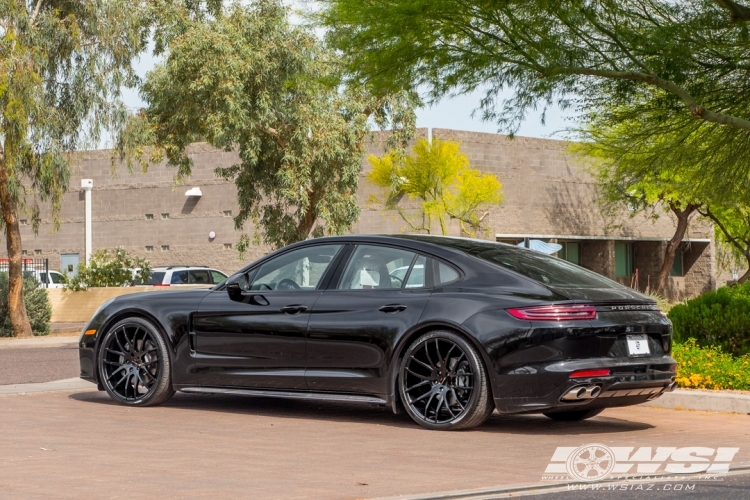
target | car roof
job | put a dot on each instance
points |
(178, 268)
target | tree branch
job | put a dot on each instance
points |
(736, 11)
(695, 109)
(36, 12)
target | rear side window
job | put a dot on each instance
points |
(180, 278)
(445, 274)
(156, 278)
(217, 276)
(416, 276)
(199, 277)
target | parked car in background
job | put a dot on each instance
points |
(184, 275)
(49, 279)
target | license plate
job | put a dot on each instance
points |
(638, 345)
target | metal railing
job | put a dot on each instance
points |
(38, 268)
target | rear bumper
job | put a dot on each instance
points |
(631, 381)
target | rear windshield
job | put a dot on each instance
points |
(156, 278)
(537, 266)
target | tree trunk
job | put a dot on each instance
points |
(674, 244)
(745, 276)
(17, 309)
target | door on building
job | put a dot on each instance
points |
(69, 264)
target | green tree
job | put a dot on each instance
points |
(687, 59)
(61, 68)
(37, 305)
(110, 268)
(251, 81)
(640, 173)
(441, 179)
(732, 221)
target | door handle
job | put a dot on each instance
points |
(293, 309)
(392, 308)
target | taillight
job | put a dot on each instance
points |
(554, 313)
(589, 373)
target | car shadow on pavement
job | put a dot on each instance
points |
(372, 414)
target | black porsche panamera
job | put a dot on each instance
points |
(447, 329)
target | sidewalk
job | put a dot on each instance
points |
(39, 342)
(70, 384)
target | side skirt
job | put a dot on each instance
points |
(318, 396)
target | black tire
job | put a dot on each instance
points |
(457, 381)
(573, 416)
(134, 365)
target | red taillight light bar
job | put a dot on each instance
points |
(554, 313)
(590, 373)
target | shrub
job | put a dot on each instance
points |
(710, 368)
(720, 318)
(110, 268)
(38, 307)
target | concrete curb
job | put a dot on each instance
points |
(693, 399)
(39, 342)
(68, 384)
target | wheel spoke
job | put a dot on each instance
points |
(429, 358)
(117, 338)
(422, 377)
(115, 373)
(150, 362)
(430, 393)
(457, 400)
(437, 348)
(448, 407)
(427, 406)
(421, 363)
(417, 385)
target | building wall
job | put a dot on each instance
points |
(547, 191)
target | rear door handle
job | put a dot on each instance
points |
(293, 309)
(392, 308)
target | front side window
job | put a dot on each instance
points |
(180, 278)
(376, 267)
(300, 269)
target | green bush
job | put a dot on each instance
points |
(38, 307)
(710, 368)
(110, 268)
(720, 319)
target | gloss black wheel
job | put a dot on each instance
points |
(573, 415)
(134, 364)
(443, 383)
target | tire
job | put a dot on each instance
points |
(455, 394)
(134, 365)
(573, 416)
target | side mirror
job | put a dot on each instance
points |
(236, 285)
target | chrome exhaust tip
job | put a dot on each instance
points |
(582, 392)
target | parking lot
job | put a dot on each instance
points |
(79, 443)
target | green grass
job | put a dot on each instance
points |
(710, 368)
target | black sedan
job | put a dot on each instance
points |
(447, 329)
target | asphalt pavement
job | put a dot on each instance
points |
(44, 364)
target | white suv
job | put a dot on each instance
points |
(185, 275)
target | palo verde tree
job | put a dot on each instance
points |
(641, 169)
(250, 81)
(440, 179)
(690, 58)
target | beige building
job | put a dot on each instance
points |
(547, 196)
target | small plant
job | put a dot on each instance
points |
(720, 318)
(710, 367)
(38, 307)
(110, 268)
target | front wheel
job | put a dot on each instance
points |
(573, 416)
(443, 383)
(134, 365)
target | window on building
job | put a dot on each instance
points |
(165, 248)
(677, 269)
(24, 222)
(227, 213)
(623, 259)
(38, 251)
(24, 252)
(570, 251)
(165, 216)
(149, 248)
(149, 216)
(227, 246)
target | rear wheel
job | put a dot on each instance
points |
(443, 383)
(574, 416)
(134, 365)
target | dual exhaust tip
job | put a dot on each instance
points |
(582, 392)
